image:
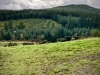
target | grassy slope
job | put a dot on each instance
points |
(34, 22)
(79, 57)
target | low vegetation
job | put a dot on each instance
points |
(11, 44)
(78, 57)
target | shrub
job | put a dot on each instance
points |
(24, 43)
(12, 44)
(68, 38)
(28, 43)
(1, 24)
(61, 39)
(77, 37)
(43, 42)
(5, 45)
(95, 33)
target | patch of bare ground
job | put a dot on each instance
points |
(86, 70)
(80, 70)
(92, 57)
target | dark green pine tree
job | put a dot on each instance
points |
(8, 36)
(10, 25)
(6, 26)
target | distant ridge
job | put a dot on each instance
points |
(79, 7)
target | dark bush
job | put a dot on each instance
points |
(12, 44)
(78, 37)
(95, 33)
(43, 42)
(24, 43)
(61, 39)
(28, 43)
(68, 38)
(5, 45)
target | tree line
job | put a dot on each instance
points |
(84, 17)
(72, 24)
(51, 34)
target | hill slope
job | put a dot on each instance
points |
(67, 58)
(40, 23)
(84, 8)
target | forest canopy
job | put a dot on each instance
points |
(57, 24)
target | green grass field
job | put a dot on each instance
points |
(80, 57)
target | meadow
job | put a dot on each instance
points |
(78, 57)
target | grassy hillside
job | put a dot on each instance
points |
(34, 22)
(84, 8)
(81, 57)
